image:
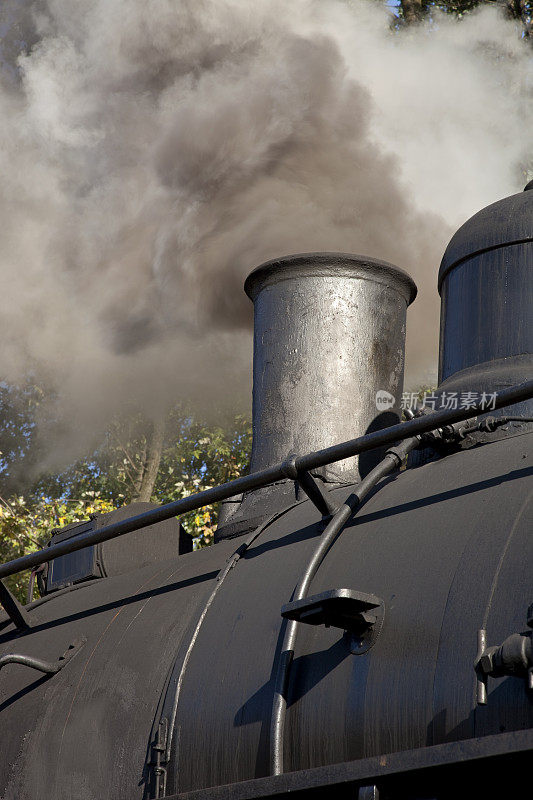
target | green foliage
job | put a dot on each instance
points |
(194, 456)
(26, 523)
(199, 456)
(111, 470)
(18, 439)
(409, 12)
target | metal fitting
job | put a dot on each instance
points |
(288, 467)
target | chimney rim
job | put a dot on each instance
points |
(319, 264)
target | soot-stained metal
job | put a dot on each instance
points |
(486, 285)
(356, 631)
(329, 332)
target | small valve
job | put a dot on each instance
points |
(514, 657)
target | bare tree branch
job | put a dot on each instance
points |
(411, 10)
(151, 462)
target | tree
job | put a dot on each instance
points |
(26, 526)
(137, 460)
(151, 461)
(174, 458)
(198, 456)
(19, 448)
(413, 11)
(522, 10)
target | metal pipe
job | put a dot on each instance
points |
(392, 461)
(388, 436)
(48, 667)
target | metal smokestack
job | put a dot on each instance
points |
(329, 334)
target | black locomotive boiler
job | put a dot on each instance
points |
(362, 626)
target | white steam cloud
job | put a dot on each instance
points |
(153, 153)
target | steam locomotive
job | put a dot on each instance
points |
(361, 627)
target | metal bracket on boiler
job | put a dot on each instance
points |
(308, 484)
(17, 613)
(159, 759)
(357, 613)
(514, 657)
(48, 667)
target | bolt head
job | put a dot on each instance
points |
(485, 662)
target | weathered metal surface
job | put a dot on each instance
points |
(389, 464)
(48, 667)
(16, 612)
(329, 332)
(488, 764)
(506, 222)
(84, 732)
(486, 285)
(422, 542)
(155, 543)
